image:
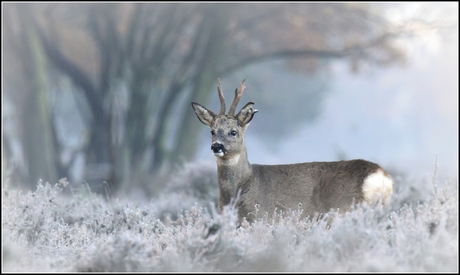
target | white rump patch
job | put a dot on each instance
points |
(377, 186)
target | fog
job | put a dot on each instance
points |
(122, 123)
(402, 117)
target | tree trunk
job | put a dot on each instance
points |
(188, 136)
(37, 127)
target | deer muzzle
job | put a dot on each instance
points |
(218, 149)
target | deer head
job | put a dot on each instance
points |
(227, 130)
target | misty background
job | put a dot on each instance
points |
(100, 93)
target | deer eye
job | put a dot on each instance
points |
(212, 132)
(233, 133)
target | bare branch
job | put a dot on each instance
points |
(78, 76)
(283, 54)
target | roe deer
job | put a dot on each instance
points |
(314, 187)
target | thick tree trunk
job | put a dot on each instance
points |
(37, 129)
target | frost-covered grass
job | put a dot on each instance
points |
(181, 230)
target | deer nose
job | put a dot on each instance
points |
(217, 148)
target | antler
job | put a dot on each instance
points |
(238, 94)
(221, 97)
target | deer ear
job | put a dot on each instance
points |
(246, 114)
(204, 115)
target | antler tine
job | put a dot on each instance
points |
(238, 94)
(221, 98)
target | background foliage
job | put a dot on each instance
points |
(102, 91)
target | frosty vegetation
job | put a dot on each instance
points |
(64, 227)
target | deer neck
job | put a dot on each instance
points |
(232, 173)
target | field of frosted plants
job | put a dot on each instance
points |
(66, 227)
